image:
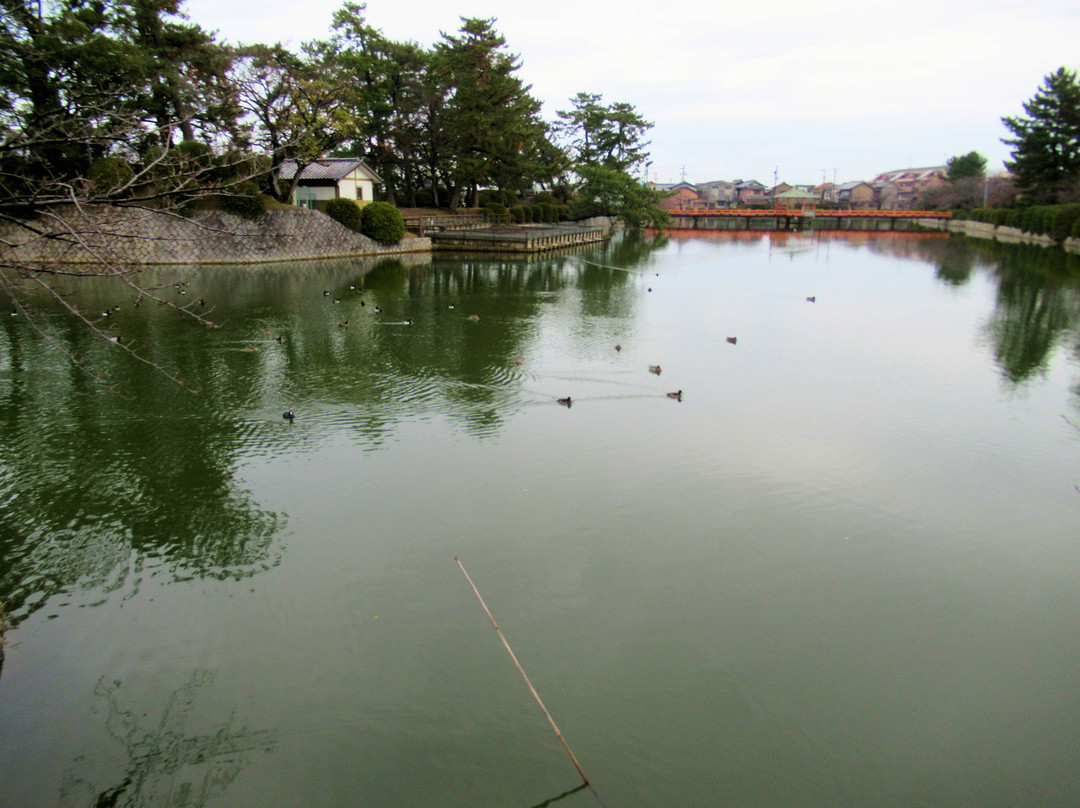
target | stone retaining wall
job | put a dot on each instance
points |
(1010, 235)
(143, 236)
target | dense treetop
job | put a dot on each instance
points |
(132, 81)
(1046, 141)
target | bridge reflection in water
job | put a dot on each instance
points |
(798, 219)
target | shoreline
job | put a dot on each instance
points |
(1010, 235)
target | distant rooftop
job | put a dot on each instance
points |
(328, 168)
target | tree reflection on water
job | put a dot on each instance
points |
(1038, 294)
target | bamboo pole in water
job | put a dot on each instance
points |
(521, 670)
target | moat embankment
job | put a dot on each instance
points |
(1010, 235)
(145, 236)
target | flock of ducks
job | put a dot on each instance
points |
(289, 415)
(656, 369)
(568, 401)
(677, 395)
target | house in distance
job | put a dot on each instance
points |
(332, 178)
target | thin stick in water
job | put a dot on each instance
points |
(521, 670)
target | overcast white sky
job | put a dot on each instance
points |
(740, 89)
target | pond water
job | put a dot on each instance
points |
(842, 570)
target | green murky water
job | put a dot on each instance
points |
(843, 570)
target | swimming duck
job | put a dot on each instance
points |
(733, 340)
(288, 415)
(654, 369)
(812, 299)
(473, 317)
(618, 347)
(566, 402)
(344, 324)
(677, 395)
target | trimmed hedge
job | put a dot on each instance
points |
(245, 201)
(1065, 220)
(383, 223)
(109, 174)
(346, 212)
(1056, 221)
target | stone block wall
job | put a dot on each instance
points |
(145, 236)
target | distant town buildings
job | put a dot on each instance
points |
(891, 190)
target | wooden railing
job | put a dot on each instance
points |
(420, 224)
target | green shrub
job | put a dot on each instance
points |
(488, 196)
(1027, 219)
(564, 212)
(537, 213)
(1076, 229)
(346, 212)
(109, 174)
(1065, 220)
(194, 155)
(1013, 217)
(1036, 221)
(244, 200)
(383, 222)
(517, 213)
(544, 197)
(581, 209)
(495, 208)
(509, 198)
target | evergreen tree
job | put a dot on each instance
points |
(1046, 142)
(388, 102)
(606, 145)
(492, 119)
(300, 106)
(967, 165)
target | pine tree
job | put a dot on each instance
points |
(493, 120)
(1046, 146)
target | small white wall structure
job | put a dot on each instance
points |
(332, 178)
